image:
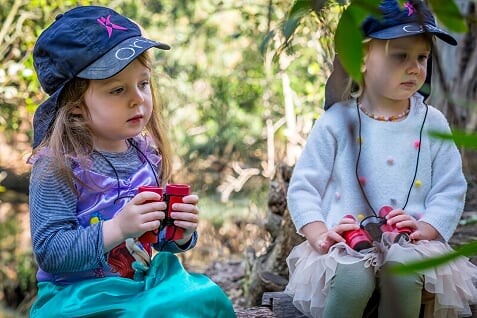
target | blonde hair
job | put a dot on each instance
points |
(71, 137)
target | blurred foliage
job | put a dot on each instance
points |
(217, 88)
(466, 140)
(348, 36)
(212, 82)
(465, 250)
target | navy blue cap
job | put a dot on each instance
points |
(89, 42)
(400, 21)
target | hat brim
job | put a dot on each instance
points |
(116, 59)
(409, 29)
(44, 116)
(335, 84)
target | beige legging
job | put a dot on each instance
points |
(353, 285)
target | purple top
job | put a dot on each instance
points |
(97, 201)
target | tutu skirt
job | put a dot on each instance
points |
(166, 290)
(453, 283)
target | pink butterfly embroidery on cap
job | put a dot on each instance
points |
(106, 22)
(410, 8)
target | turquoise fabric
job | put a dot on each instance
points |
(165, 290)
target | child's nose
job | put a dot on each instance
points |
(137, 98)
(413, 67)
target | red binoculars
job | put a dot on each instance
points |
(173, 193)
(372, 228)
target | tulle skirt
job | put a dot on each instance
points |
(166, 290)
(453, 284)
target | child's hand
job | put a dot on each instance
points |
(400, 219)
(139, 216)
(421, 230)
(186, 216)
(424, 231)
(136, 218)
(323, 242)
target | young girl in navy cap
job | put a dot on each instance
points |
(370, 161)
(97, 139)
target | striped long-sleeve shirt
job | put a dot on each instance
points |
(60, 244)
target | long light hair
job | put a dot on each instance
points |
(71, 137)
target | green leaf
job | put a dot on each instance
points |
(265, 42)
(298, 10)
(448, 13)
(366, 8)
(461, 138)
(349, 37)
(468, 249)
(349, 42)
(299, 7)
(290, 25)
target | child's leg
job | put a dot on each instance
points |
(400, 294)
(350, 290)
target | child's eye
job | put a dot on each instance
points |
(144, 84)
(117, 91)
(400, 56)
(423, 57)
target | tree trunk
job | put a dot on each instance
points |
(269, 272)
(454, 89)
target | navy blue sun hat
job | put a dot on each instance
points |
(89, 42)
(398, 21)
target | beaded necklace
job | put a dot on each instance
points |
(358, 107)
(385, 118)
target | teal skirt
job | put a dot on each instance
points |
(166, 290)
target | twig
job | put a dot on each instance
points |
(236, 183)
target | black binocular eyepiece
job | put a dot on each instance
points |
(372, 229)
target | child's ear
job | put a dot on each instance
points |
(77, 110)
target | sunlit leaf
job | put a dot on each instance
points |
(447, 12)
(348, 43)
(468, 249)
(461, 138)
(349, 37)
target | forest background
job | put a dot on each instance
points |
(242, 86)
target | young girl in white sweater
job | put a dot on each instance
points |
(373, 153)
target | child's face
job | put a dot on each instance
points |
(396, 69)
(120, 106)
